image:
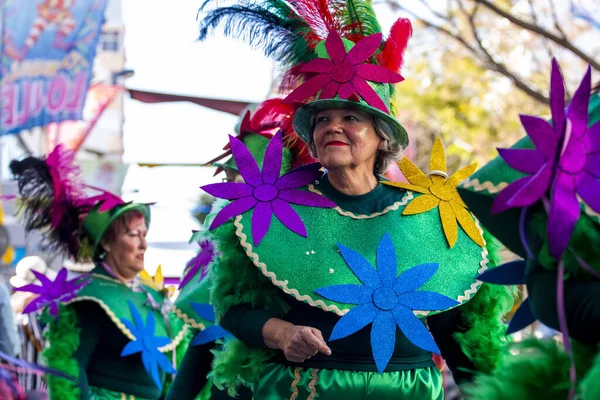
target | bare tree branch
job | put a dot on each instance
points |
(434, 12)
(534, 17)
(500, 67)
(555, 18)
(541, 31)
(486, 58)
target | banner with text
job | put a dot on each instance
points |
(46, 57)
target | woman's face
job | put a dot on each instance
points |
(345, 139)
(125, 252)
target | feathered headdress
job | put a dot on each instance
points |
(53, 200)
(333, 50)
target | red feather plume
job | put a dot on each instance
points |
(392, 55)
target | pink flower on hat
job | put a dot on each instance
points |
(346, 74)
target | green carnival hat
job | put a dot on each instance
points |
(480, 190)
(348, 79)
(99, 220)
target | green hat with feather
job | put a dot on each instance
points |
(334, 53)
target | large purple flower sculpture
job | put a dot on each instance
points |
(346, 74)
(565, 162)
(267, 192)
(53, 293)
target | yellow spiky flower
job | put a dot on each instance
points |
(157, 283)
(439, 190)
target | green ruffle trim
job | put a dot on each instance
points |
(483, 315)
(590, 385)
(235, 280)
(538, 369)
(62, 338)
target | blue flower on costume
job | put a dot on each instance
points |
(386, 301)
(146, 343)
(512, 273)
(211, 333)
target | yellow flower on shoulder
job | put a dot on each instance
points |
(439, 190)
(158, 283)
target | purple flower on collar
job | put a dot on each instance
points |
(565, 162)
(266, 191)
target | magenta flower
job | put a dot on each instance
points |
(53, 293)
(565, 162)
(346, 74)
(200, 262)
(66, 182)
(267, 192)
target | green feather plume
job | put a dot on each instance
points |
(235, 280)
(360, 17)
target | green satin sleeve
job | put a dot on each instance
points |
(282, 382)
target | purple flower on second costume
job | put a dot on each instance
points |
(200, 262)
(53, 293)
(565, 162)
(267, 192)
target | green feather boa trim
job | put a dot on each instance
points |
(235, 280)
(538, 369)
(590, 385)
(62, 338)
(483, 316)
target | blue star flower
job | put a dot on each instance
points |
(386, 301)
(512, 273)
(211, 333)
(146, 343)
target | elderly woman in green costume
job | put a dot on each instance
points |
(329, 299)
(107, 330)
(257, 127)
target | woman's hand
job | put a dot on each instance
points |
(298, 343)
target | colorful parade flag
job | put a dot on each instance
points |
(46, 57)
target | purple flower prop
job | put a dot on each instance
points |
(267, 192)
(386, 301)
(53, 293)
(565, 162)
(200, 262)
(147, 344)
